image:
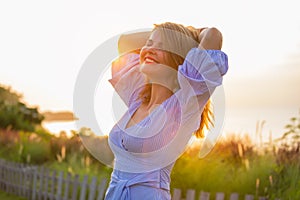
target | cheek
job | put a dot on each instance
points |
(162, 56)
(142, 54)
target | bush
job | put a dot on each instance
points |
(16, 115)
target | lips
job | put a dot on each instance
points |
(149, 60)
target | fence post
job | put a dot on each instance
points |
(8, 175)
(83, 188)
(92, 189)
(220, 196)
(53, 181)
(29, 176)
(75, 187)
(1, 175)
(11, 179)
(34, 188)
(204, 195)
(190, 194)
(59, 185)
(26, 172)
(40, 181)
(234, 196)
(176, 194)
(67, 184)
(102, 189)
(19, 179)
(45, 184)
(15, 179)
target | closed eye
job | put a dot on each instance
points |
(149, 42)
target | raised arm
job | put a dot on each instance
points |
(210, 38)
(132, 41)
(204, 66)
(126, 77)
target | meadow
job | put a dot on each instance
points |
(236, 163)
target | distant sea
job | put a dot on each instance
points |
(55, 127)
(237, 121)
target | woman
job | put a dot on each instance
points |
(166, 85)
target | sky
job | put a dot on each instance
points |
(43, 45)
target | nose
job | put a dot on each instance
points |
(149, 50)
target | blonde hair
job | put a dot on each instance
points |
(188, 38)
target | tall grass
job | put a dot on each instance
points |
(232, 166)
(236, 163)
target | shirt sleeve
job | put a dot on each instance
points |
(126, 79)
(201, 72)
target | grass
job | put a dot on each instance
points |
(235, 164)
(73, 165)
(6, 196)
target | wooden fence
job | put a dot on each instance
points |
(38, 183)
(191, 195)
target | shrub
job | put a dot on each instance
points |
(16, 115)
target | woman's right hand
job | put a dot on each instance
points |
(210, 38)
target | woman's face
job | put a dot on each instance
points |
(152, 52)
(155, 52)
(155, 63)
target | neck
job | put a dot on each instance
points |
(158, 95)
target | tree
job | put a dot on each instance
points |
(16, 115)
